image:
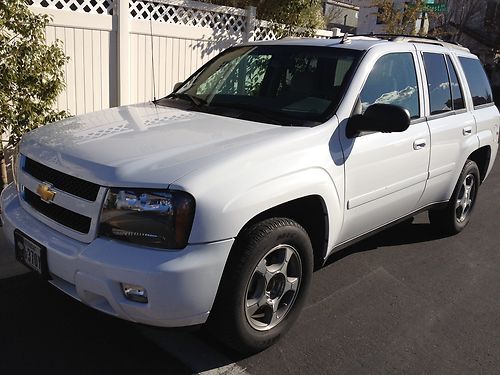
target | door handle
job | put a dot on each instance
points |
(419, 144)
(467, 130)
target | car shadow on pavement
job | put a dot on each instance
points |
(411, 231)
(45, 331)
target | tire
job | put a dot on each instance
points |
(457, 213)
(264, 285)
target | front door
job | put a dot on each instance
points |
(386, 173)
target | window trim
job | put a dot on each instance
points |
(442, 115)
(485, 105)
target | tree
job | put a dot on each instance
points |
(452, 23)
(459, 13)
(31, 74)
(401, 18)
(289, 17)
(293, 17)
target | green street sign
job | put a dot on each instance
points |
(436, 8)
(430, 2)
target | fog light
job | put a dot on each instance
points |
(135, 293)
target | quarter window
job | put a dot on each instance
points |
(438, 83)
(393, 80)
(479, 85)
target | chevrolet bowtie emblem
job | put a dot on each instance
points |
(44, 190)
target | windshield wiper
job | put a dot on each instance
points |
(197, 101)
(254, 111)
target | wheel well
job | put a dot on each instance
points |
(310, 212)
(482, 158)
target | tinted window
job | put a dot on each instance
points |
(292, 85)
(478, 82)
(456, 89)
(246, 79)
(393, 80)
(438, 82)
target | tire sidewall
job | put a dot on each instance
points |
(289, 233)
(469, 168)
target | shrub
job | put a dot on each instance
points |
(31, 74)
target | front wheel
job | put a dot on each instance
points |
(456, 215)
(264, 285)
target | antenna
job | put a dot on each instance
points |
(152, 57)
(345, 38)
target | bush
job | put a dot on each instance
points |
(31, 74)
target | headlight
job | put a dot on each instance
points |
(149, 217)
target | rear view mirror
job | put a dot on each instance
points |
(177, 85)
(385, 118)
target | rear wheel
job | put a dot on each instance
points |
(264, 285)
(456, 215)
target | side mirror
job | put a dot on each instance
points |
(385, 118)
(177, 85)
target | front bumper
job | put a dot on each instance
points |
(181, 285)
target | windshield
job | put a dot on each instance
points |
(287, 85)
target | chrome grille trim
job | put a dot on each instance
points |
(65, 182)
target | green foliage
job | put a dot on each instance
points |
(401, 18)
(31, 72)
(294, 17)
(289, 17)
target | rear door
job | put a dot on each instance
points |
(483, 108)
(450, 119)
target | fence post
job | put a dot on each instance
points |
(251, 16)
(122, 62)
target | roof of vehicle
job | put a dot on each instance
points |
(363, 42)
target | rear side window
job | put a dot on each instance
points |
(479, 85)
(393, 80)
(438, 82)
(456, 89)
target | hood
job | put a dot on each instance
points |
(139, 145)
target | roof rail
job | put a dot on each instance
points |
(417, 39)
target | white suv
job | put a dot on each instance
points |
(215, 203)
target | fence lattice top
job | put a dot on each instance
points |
(178, 12)
(86, 6)
(184, 15)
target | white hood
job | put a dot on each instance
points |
(139, 145)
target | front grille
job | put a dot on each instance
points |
(72, 185)
(57, 213)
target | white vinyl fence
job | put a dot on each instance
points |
(112, 45)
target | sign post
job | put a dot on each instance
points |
(431, 6)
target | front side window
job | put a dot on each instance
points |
(479, 85)
(438, 83)
(293, 85)
(393, 80)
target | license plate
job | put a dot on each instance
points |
(31, 253)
